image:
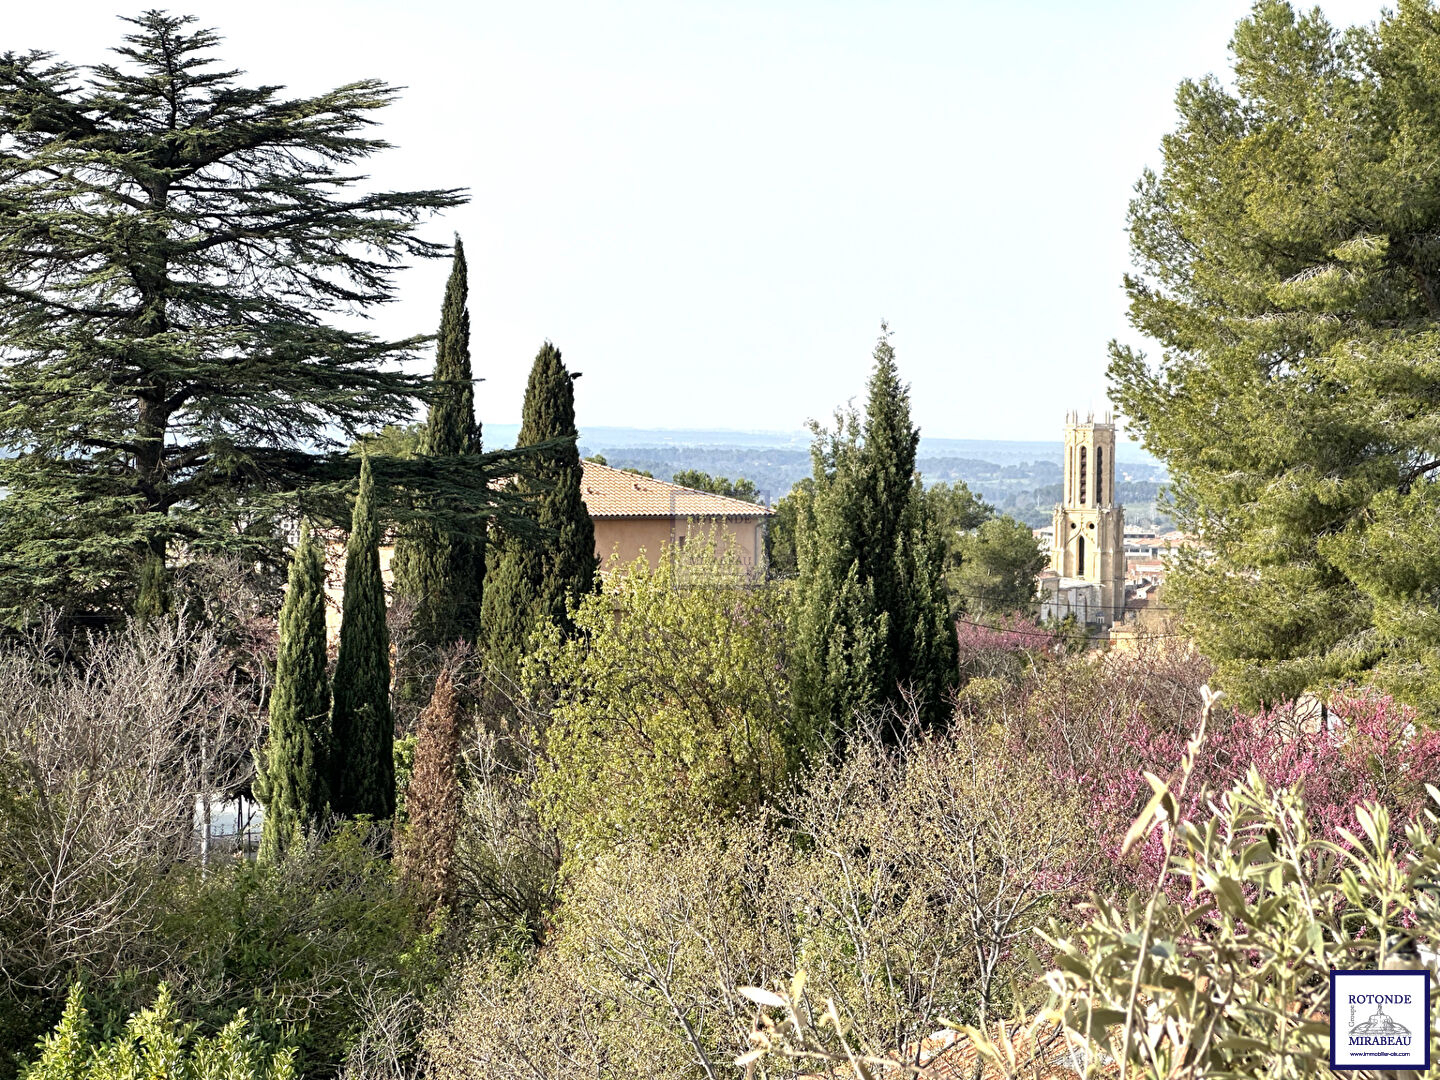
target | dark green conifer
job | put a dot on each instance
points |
(440, 570)
(291, 783)
(152, 598)
(872, 613)
(362, 733)
(531, 582)
(171, 310)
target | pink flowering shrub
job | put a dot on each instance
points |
(1095, 724)
(1005, 646)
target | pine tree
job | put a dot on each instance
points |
(175, 248)
(1287, 267)
(872, 613)
(432, 801)
(532, 582)
(442, 571)
(362, 733)
(292, 782)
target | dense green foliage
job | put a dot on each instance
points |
(670, 706)
(442, 571)
(391, 441)
(530, 582)
(872, 618)
(319, 947)
(175, 248)
(956, 509)
(362, 733)
(741, 489)
(155, 1043)
(780, 531)
(991, 562)
(1287, 266)
(152, 598)
(995, 567)
(292, 780)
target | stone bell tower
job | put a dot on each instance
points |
(1089, 543)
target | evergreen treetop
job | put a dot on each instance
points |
(292, 782)
(440, 568)
(531, 582)
(451, 427)
(362, 732)
(872, 620)
(175, 249)
(1287, 267)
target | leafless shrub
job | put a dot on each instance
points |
(544, 1026)
(506, 864)
(104, 759)
(238, 600)
(385, 1048)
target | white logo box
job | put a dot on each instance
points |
(1380, 1020)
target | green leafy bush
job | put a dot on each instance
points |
(1224, 970)
(315, 946)
(670, 703)
(154, 1045)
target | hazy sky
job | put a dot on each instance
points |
(709, 207)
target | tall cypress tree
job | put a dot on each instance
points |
(292, 783)
(362, 732)
(441, 570)
(873, 615)
(531, 582)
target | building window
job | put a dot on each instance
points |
(1082, 474)
(1081, 558)
(1100, 475)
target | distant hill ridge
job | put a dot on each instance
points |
(1000, 451)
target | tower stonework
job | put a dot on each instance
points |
(1089, 544)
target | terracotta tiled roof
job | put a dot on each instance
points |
(612, 493)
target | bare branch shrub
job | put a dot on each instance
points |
(104, 757)
(506, 864)
(239, 602)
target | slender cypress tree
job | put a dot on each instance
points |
(292, 783)
(362, 733)
(873, 616)
(441, 570)
(529, 581)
